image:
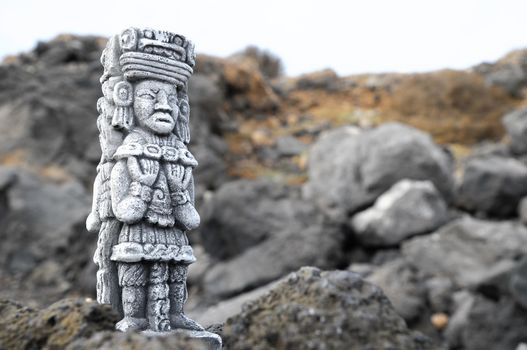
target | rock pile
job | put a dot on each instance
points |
(293, 172)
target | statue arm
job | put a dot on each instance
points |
(128, 207)
(93, 222)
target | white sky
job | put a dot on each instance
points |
(348, 36)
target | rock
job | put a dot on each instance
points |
(522, 210)
(509, 73)
(518, 283)
(76, 324)
(267, 63)
(43, 236)
(54, 327)
(439, 293)
(244, 213)
(132, 341)
(310, 244)
(493, 186)
(400, 282)
(349, 169)
(312, 309)
(515, 123)
(407, 209)
(212, 170)
(463, 301)
(325, 79)
(220, 312)
(288, 146)
(467, 250)
(494, 325)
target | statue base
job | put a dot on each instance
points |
(211, 340)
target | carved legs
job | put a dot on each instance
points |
(158, 304)
(153, 296)
(132, 280)
(178, 297)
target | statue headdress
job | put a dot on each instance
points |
(139, 54)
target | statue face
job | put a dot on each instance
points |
(155, 106)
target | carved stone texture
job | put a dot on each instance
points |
(143, 202)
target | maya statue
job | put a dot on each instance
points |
(143, 201)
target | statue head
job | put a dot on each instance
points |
(146, 74)
(155, 106)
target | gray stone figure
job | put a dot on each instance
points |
(143, 202)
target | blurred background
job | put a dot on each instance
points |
(387, 138)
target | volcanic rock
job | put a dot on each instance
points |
(349, 168)
(407, 209)
(312, 309)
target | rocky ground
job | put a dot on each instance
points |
(406, 194)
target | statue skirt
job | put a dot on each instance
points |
(147, 242)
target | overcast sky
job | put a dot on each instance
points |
(348, 36)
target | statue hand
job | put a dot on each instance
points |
(93, 222)
(144, 171)
(175, 176)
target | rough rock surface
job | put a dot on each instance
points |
(53, 327)
(407, 209)
(494, 325)
(49, 215)
(515, 123)
(133, 341)
(349, 169)
(312, 309)
(309, 243)
(401, 284)
(493, 186)
(244, 213)
(467, 251)
(518, 283)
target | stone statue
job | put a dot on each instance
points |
(143, 202)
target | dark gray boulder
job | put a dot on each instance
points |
(401, 283)
(518, 283)
(313, 309)
(243, 213)
(310, 244)
(350, 168)
(408, 208)
(494, 325)
(515, 123)
(53, 327)
(493, 186)
(468, 251)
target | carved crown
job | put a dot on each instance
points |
(149, 54)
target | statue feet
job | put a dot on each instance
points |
(131, 324)
(180, 321)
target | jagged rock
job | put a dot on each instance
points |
(267, 63)
(244, 213)
(494, 325)
(54, 327)
(493, 186)
(518, 283)
(509, 73)
(515, 123)
(401, 284)
(349, 169)
(407, 209)
(43, 212)
(312, 309)
(309, 244)
(44, 243)
(133, 341)
(288, 146)
(221, 311)
(467, 250)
